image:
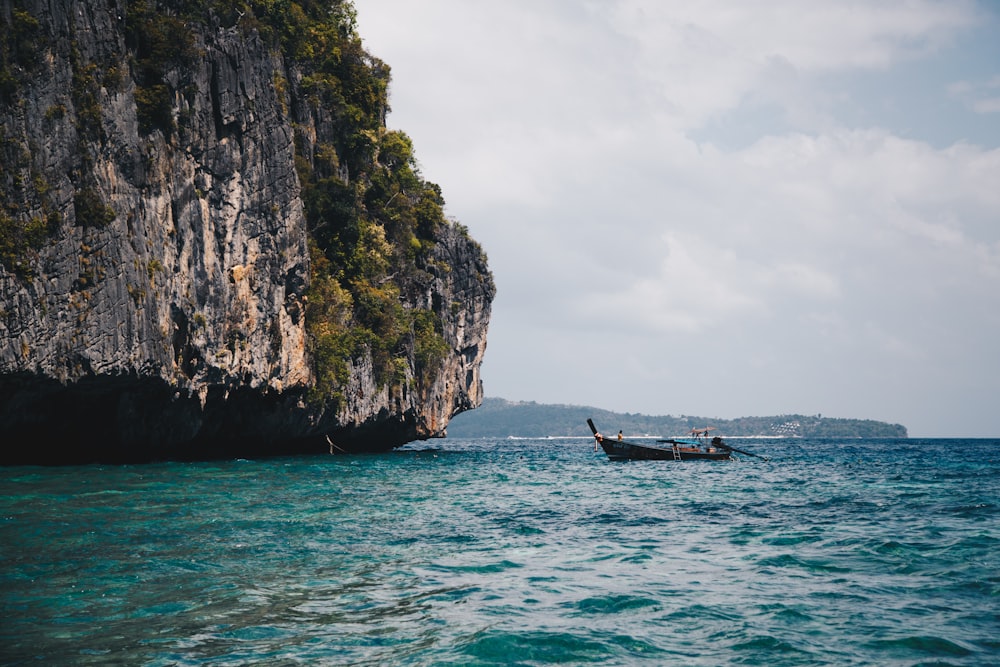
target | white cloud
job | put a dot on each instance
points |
(694, 286)
(706, 57)
(981, 97)
(852, 271)
(989, 105)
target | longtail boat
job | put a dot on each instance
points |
(697, 448)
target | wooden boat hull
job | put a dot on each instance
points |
(663, 450)
(621, 450)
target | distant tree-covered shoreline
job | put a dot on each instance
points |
(500, 418)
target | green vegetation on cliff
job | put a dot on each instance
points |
(498, 418)
(22, 230)
(372, 219)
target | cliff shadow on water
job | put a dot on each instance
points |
(211, 244)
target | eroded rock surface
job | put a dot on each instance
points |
(163, 314)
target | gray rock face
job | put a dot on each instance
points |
(164, 314)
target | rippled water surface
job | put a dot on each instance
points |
(522, 552)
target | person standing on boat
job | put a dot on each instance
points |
(619, 435)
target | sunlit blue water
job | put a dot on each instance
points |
(525, 552)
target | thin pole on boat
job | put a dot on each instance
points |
(333, 446)
(739, 451)
(597, 436)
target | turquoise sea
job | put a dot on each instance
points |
(510, 552)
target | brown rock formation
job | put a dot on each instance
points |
(153, 284)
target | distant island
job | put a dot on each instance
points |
(500, 418)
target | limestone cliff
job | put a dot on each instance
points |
(211, 245)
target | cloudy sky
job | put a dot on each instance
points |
(721, 209)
